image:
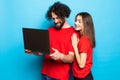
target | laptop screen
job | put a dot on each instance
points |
(36, 40)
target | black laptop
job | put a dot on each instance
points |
(36, 40)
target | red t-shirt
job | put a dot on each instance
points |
(60, 40)
(83, 46)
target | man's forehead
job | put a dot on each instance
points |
(54, 15)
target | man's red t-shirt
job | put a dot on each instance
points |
(85, 47)
(60, 40)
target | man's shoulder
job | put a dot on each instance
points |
(72, 28)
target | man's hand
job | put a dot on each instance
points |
(56, 55)
(30, 52)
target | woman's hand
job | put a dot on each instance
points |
(75, 40)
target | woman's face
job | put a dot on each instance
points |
(79, 24)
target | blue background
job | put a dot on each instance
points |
(16, 14)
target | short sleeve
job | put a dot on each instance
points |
(84, 44)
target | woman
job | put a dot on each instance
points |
(83, 46)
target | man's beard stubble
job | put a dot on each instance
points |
(60, 26)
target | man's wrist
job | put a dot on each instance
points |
(61, 56)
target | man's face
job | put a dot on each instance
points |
(57, 21)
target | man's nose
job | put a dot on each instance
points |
(55, 21)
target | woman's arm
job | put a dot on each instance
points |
(80, 57)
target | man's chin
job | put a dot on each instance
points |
(58, 28)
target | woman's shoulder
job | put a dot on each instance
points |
(84, 38)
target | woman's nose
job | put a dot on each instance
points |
(76, 22)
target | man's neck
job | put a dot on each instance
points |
(66, 25)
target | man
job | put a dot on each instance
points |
(56, 65)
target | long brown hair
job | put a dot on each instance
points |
(88, 27)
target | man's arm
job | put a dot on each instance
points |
(60, 56)
(68, 58)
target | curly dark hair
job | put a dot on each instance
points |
(61, 10)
